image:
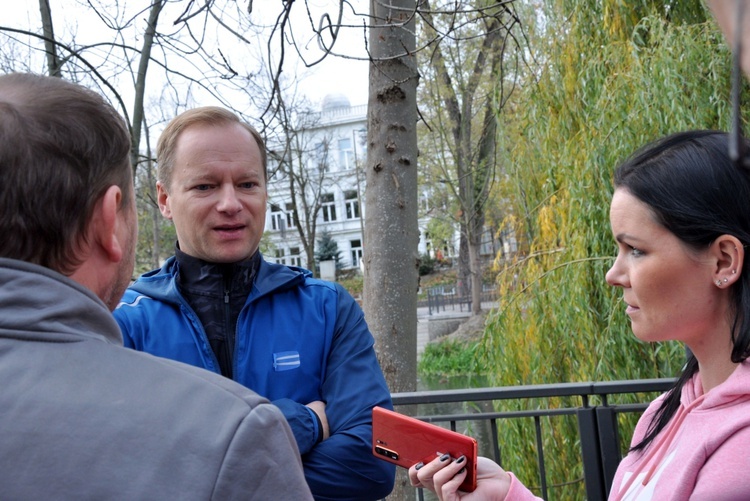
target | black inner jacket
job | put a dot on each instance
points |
(217, 292)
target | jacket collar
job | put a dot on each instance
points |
(41, 304)
(270, 278)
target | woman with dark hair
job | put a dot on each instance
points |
(680, 215)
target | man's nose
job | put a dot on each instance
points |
(228, 200)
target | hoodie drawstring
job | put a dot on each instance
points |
(657, 451)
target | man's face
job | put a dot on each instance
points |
(217, 194)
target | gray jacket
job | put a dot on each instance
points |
(83, 418)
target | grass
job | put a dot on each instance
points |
(448, 358)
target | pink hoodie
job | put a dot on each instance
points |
(702, 454)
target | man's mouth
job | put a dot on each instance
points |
(230, 228)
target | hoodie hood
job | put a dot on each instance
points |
(44, 305)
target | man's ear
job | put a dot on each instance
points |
(162, 198)
(730, 256)
(104, 224)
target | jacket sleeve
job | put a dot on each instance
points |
(304, 426)
(343, 466)
(127, 319)
(262, 461)
(518, 491)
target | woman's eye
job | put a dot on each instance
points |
(635, 252)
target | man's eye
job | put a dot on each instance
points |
(203, 187)
(249, 185)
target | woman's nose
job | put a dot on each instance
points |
(615, 275)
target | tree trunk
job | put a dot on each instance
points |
(475, 265)
(54, 64)
(463, 273)
(140, 83)
(156, 217)
(391, 232)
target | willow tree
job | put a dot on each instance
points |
(613, 76)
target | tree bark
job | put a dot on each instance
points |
(140, 83)
(54, 65)
(391, 257)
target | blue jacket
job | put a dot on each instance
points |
(298, 340)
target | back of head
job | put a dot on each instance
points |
(206, 116)
(61, 147)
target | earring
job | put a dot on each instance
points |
(734, 272)
(718, 282)
(726, 280)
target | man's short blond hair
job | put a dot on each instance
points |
(205, 115)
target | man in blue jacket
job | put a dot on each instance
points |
(300, 342)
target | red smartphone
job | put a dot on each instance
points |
(406, 441)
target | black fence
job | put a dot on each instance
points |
(442, 297)
(599, 437)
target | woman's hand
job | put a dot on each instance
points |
(444, 475)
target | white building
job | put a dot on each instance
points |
(334, 146)
(334, 143)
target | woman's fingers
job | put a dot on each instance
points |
(420, 475)
(448, 479)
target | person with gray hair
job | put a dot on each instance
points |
(83, 417)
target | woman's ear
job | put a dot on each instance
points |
(730, 256)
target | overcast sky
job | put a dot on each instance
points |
(333, 75)
(347, 76)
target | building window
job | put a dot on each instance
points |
(273, 167)
(356, 252)
(280, 256)
(328, 207)
(346, 154)
(290, 216)
(294, 257)
(360, 147)
(352, 204)
(277, 218)
(424, 201)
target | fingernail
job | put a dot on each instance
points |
(418, 466)
(445, 457)
(461, 459)
(462, 470)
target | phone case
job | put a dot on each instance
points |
(406, 441)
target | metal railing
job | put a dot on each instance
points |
(597, 421)
(438, 298)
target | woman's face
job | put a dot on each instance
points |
(669, 289)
